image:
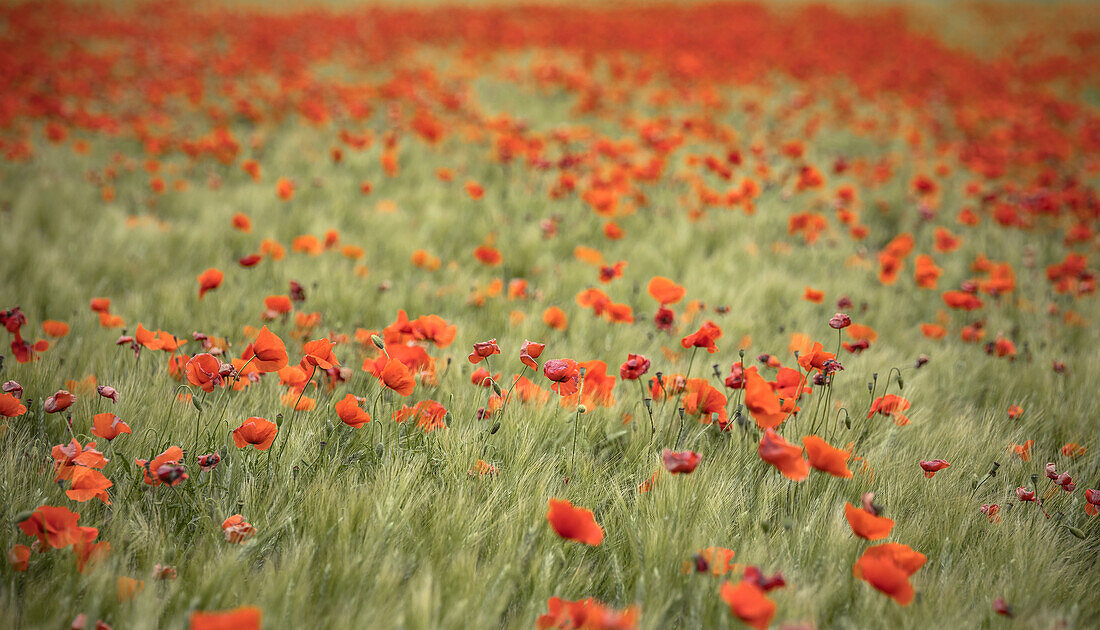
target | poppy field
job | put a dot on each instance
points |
(556, 316)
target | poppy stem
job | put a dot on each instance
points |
(197, 419)
(294, 412)
(691, 362)
(649, 410)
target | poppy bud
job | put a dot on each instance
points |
(108, 392)
(196, 404)
(819, 379)
(496, 387)
(22, 516)
(582, 409)
(379, 450)
(378, 341)
(1076, 532)
(496, 427)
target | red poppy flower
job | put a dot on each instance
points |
(172, 456)
(209, 280)
(703, 338)
(59, 402)
(258, 432)
(87, 484)
(10, 406)
(866, 524)
(351, 413)
(555, 318)
(318, 353)
(634, 367)
(932, 467)
(243, 618)
(397, 377)
(705, 401)
(585, 614)
(786, 457)
(890, 406)
(665, 291)
(748, 603)
(54, 328)
(761, 401)
(53, 526)
(887, 568)
(826, 458)
(429, 415)
(574, 523)
(108, 426)
(267, 352)
(530, 351)
(237, 530)
(19, 556)
(1092, 502)
(483, 350)
(565, 374)
(487, 255)
(204, 370)
(677, 462)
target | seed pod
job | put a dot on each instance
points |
(496, 427)
(378, 342)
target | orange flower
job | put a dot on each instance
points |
(397, 377)
(585, 614)
(574, 523)
(10, 407)
(703, 338)
(108, 426)
(204, 371)
(555, 318)
(962, 300)
(318, 353)
(761, 401)
(240, 221)
(258, 432)
(813, 295)
(237, 530)
(826, 458)
(53, 526)
(88, 484)
(284, 188)
(267, 352)
(867, 525)
(927, 274)
(429, 415)
(1073, 450)
(209, 280)
(350, 413)
(474, 190)
(665, 291)
(128, 588)
(54, 328)
(487, 255)
(890, 406)
(887, 568)
(748, 603)
(933, 331)
(1023, 451)
(172, 456)
(19, 556)
(243, 618)
(786, 457)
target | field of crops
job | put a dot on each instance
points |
(560, 316)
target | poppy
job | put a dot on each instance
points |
(892, 407)
(962, 301)
(927, 273)
(703, 338)
(483, 350)
(318, 353)
(19, 556)
(866, 524)
(276, 305)
(10, 406)
(59, 402)
(530, 351)
(243, 618)
(284, 188)
(1073, 450)
(887, 568)
(128, 588)
(204, 371)
(705, 401)
(53, 526)
(258, 432)
(86, 550)
(824, 457)
(482, 378)
(54, 328)
(933, 331)
(108, 426)
(351, 413)
(574, 523)
(555, 318)
(813, 295)
(634, 367)
(1023, 451)
(87, 483)
(931, 467)
(677, 462)
(761, 401)
(1092, 502)
(209, 461)
(209, 280)
(429, 415)
(487, 255)
(748, 603)
(108, 392)
(172, 456)
(237, 530)
(267, 352)
(786, 457)
(240, 221)
(585, 614)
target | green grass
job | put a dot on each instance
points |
(350, 535)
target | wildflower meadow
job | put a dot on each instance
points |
(568, 315)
